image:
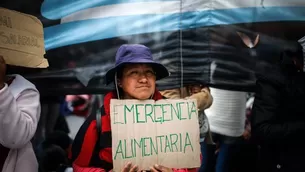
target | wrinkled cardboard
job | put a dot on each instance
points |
(129, 125)
(21, 39)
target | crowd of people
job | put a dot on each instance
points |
(260, 131)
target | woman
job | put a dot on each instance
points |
(19, 115)
(134, 74)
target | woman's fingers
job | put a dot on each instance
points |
(158, 168)
(127, 167)
(153, 169)
(130, 168)
(134, 169)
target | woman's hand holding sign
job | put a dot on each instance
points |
(2, 72)
(158, 168)
(129, 167)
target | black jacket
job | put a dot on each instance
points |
(278, 120)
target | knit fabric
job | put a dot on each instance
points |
(227, 113)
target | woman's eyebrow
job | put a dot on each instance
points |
(148, 69)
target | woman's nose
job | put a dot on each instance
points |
(143, 79)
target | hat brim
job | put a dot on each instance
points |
(161, 71)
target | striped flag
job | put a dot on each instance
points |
(218, 42)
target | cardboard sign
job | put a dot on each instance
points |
(21, 39)
(164, 132)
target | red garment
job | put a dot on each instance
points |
(77, 168)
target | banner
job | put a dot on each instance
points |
(164, 132)
(215, 42)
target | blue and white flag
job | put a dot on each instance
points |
(217, 42)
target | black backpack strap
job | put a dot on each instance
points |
(99, 123)
(101, 143)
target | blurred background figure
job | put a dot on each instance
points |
(77, 108)
(53, 159)
(54, 152)
(278, 114)
(79, 104)
(227, 122)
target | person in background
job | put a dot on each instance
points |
(58, 138)
(51, 120)
(245, 158)
(53, 159)
(19, 116)
(205, 133)
(50, 112)
(79, 104)
(134, 76)
(204, 101)
(227, 123)
(61, 139)
(278, 114)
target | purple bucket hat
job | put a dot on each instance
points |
(135, 54)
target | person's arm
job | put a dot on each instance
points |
(204, 98)
(266, 107)
(172, 94)
(18, 117)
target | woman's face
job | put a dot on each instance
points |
(138, 81)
